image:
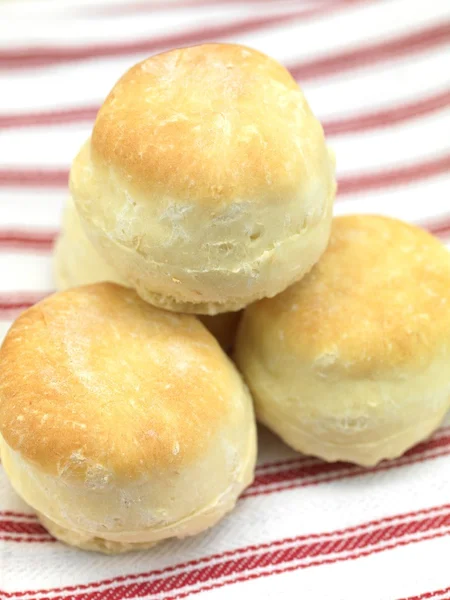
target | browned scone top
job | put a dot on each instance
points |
(210, 123)
(94, 380)
(378, 298)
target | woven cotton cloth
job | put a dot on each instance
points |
(377, 74)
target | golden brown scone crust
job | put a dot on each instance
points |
(85, 363)
(210, 123)
(380, 295)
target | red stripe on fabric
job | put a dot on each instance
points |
(311, 564)
(140, 7)
(334, 126)
(428, 595)
(53, 117)
(7, 307)
(25, 240)
(373, 53)
(27, 540)
(19, 301)
(348, 184)
(341, 476)
(301, 459)
(272, 555)
(386, 117)
(13, 513)
(321, 468)
(441, 229)
(28, 527)
(51, 178)
(235, 553)
(353, 184)
(20, 58)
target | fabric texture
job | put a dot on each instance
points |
(376, 72)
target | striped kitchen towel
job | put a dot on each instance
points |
(377, 73)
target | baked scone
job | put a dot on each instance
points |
(77, 262)
(121, 424)
(352, 363)
(207, 182)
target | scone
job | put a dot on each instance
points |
(352, 363)
(77, 262)
(121, 424)
(207, 183)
